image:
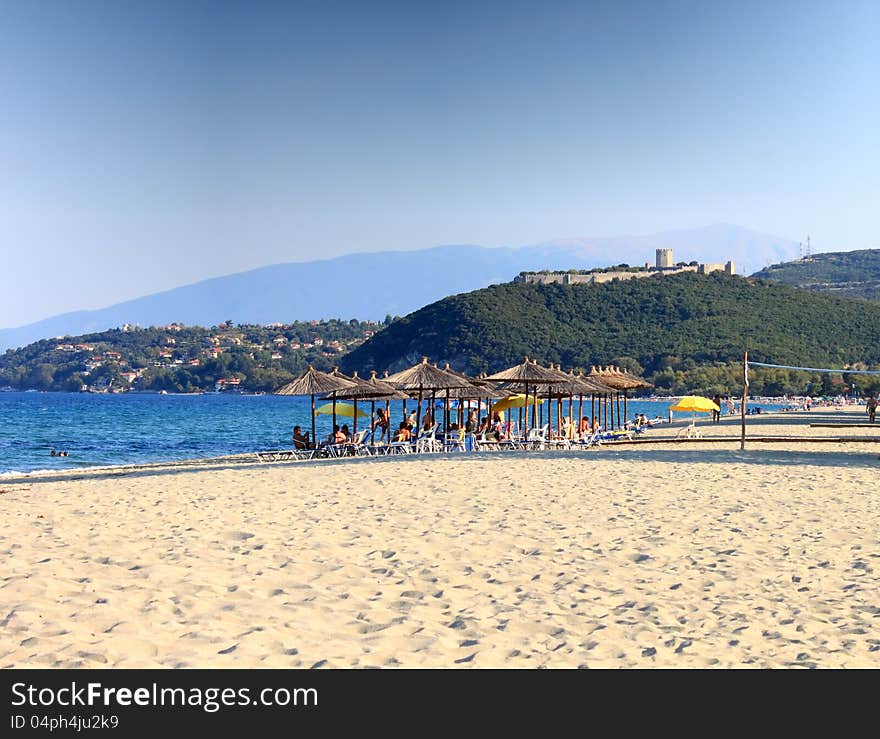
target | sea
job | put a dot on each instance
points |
(131, 428)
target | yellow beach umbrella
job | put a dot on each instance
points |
(515, 401)
(695, 404)
(342, 409)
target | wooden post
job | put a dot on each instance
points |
(388, 418)
(625, 411)
(333, 430)
(314, 440)
(355, 419)
(742, 438)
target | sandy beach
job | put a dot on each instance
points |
(662, 555)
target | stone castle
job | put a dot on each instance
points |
(663, 265)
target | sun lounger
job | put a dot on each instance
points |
(285, 455)
(537, 438)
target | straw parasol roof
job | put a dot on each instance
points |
(314, 382)
(386, 391)
(529, 372)
(617, 378)
(589, 385)
(424, 376)
(576, 385)
(362, 388)
(476, 388)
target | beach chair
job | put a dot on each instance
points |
(590, 440)
(358, 446)
(426, 441)
(690, 431)
(275, 455)
(483, 444)
(537, 438)
(400, 447)
(285, 455)
(454, 442)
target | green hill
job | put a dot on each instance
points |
(684, 331)
(178, 358)
(850, 274)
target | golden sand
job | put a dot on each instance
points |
(669, 555)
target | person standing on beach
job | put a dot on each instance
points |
(716, 415)
(871, 408)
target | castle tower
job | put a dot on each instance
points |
(664, 258)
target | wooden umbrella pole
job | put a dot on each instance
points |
(625, 409)
(355, 418)
(387, 418)
(333, 430)
(372, 420)
(419, 412)
(620, 425)
(592, 410)
(580, 409)
(314, 438)
(559, 415)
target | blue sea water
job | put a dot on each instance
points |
(135, 428)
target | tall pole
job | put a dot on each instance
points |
(314, 440)
(742, 438)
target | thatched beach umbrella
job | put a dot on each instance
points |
(574, 385)
(529, 373)
(314, 382)
(620, 381)
(424, 376)
(360, 389)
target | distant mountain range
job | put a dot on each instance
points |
(849, 274)
(370, 286)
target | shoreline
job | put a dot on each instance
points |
(658, 438)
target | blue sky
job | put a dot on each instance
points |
(147, 145)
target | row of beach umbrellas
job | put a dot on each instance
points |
(526, 386)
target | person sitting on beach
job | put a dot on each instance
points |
(300, 440)
(427, 421)
(346, 433)
(403, 433)
(471, 424)
(597, 427)
(584, 426)
(337, 437)
(567, 428)
(411, 421)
